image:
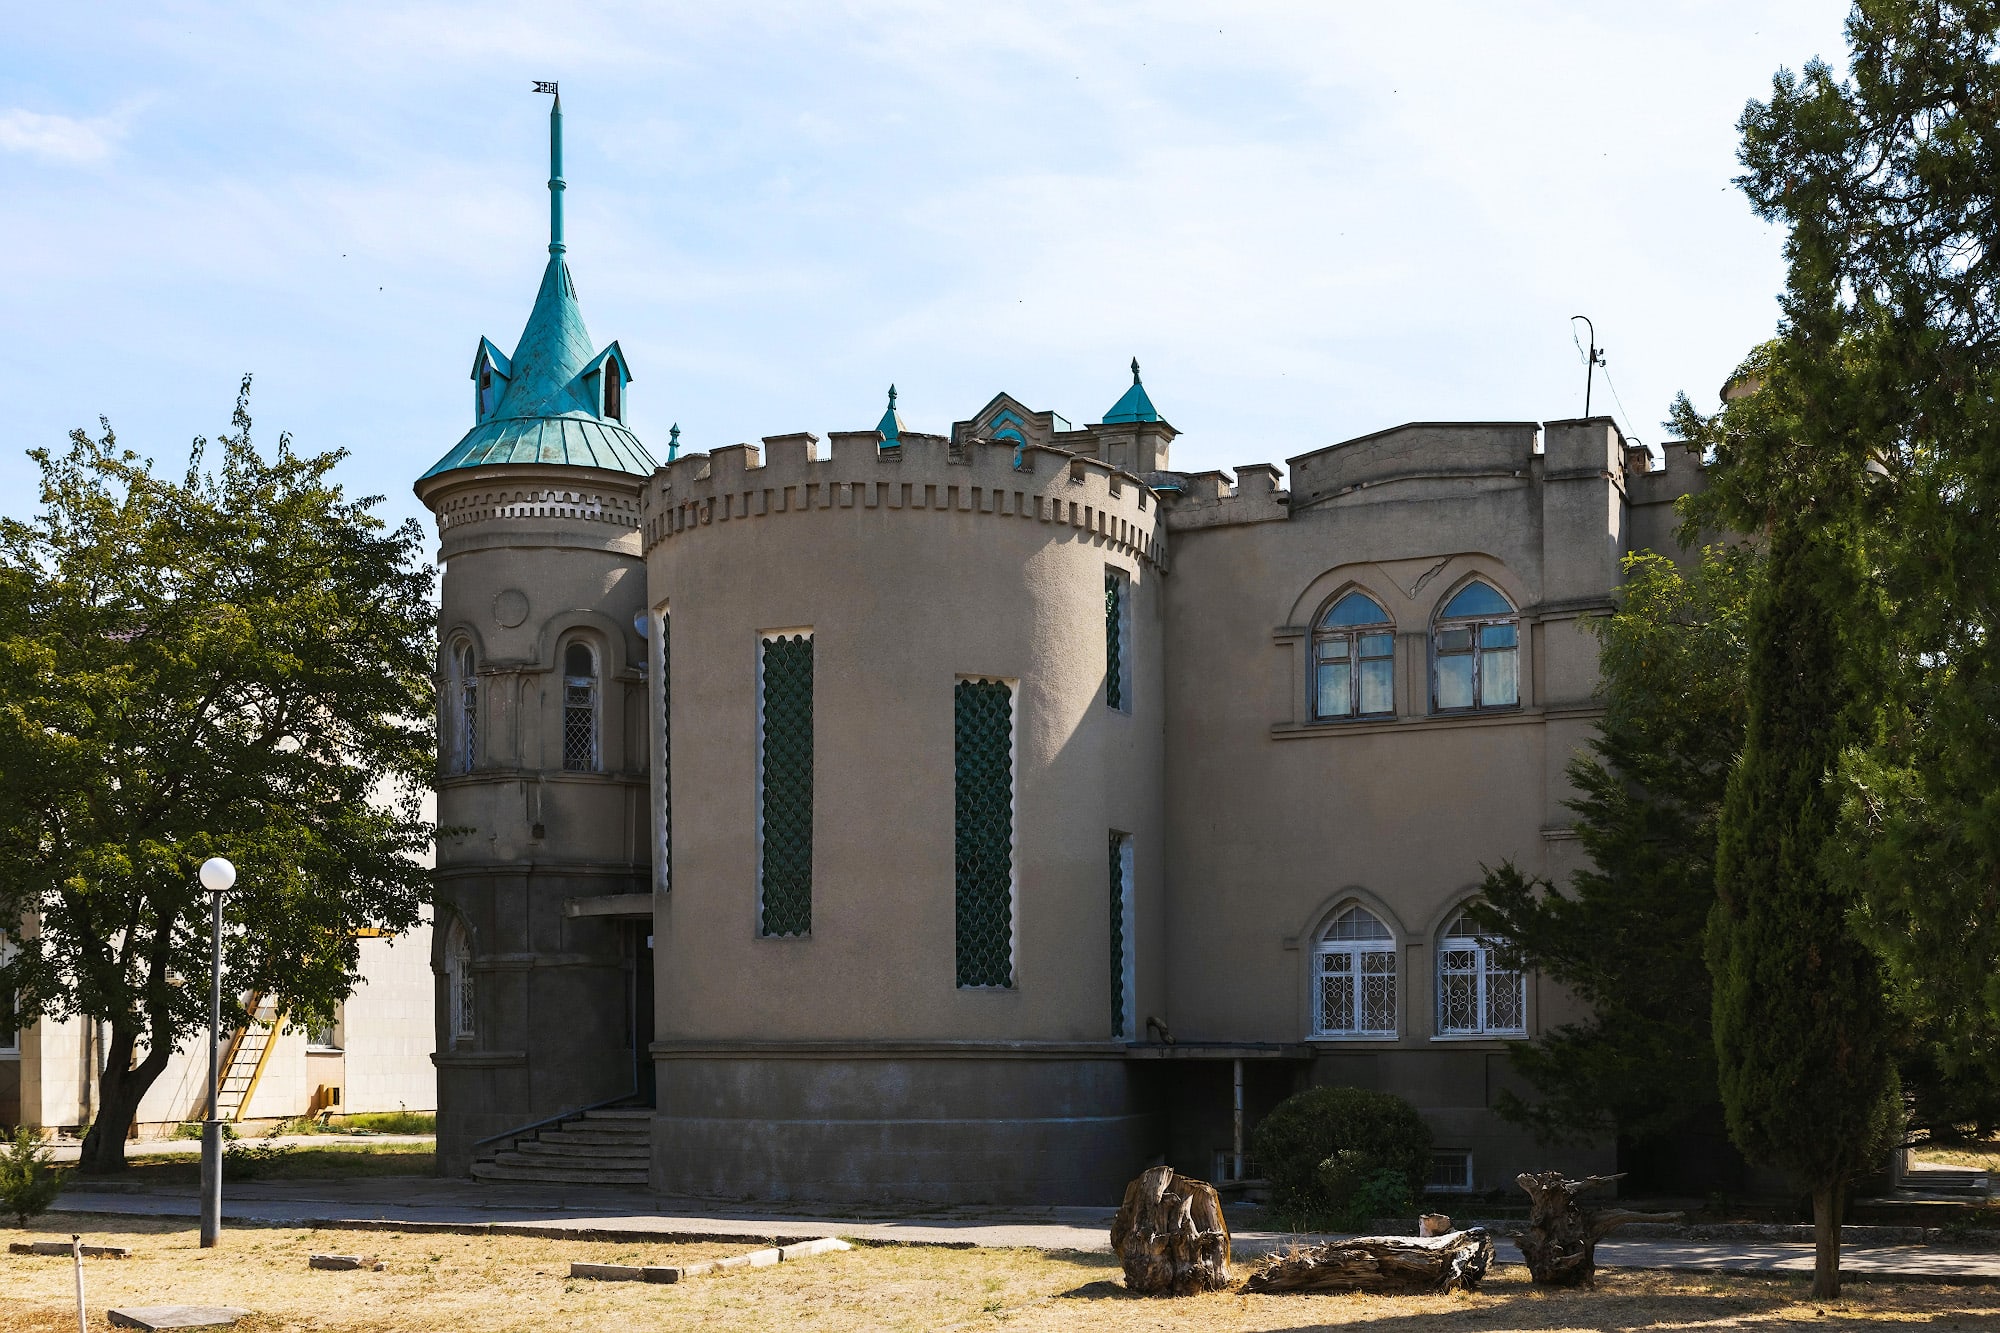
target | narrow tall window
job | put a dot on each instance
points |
(1476, 651)
(666, 751)
(785, 785)
(465, 696)
(614, 390)
(983, 778)
(10, 1024)
(1356, 965)
(1121, 936)
(581, 752)
(1117, 638)
(1354, 661)
(1477, 994)
(458, 984)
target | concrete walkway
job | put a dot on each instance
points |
(585, 1213)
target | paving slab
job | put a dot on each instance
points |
(176, 1316)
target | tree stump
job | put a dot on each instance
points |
(1560, 1244)
(1170, 1235)
(1388, 1265)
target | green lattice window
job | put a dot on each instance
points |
(1117, 585)
(785, 786)
(983, 755)
(666, 752)
(1121, 899)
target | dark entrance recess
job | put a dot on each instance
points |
(639, 986)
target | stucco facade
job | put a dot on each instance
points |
(977, 816)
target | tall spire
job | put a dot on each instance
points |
(556, 245)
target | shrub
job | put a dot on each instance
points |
(247, 1161)
(391, 1122)
(29, 1178)
(1323, 1147)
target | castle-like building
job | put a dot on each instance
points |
(982, 816)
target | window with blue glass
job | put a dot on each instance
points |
(1476, 651)
(1354, 660)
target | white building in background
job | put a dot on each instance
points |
(376, 1056)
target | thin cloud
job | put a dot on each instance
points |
(58, 138)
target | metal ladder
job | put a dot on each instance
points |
(243, 1061)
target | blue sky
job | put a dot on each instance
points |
(1308, 221)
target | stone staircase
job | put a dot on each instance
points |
(1947, 1180)
(609, 1146)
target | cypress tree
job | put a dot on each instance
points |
(1802, 1037)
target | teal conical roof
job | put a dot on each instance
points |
(557, 402)
(891, 424)
(1134, 406)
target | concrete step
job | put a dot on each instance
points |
(644, 1113)
(608, 1136)
(555, 1176)
(1939, 1180)
(638, 1154)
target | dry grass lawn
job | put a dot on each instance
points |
(439, 1282)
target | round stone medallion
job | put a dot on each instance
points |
(510, 608)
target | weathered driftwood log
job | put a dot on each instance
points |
(1394, 1265)
(1170, 1235)
(1560, 1243)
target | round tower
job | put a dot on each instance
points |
(543, 868)
(914, 745)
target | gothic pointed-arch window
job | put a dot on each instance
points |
(1478, 994)
(1354, 660)
(614, 390)
(1476, 651)
(458, 985)
(582, 752)
(463, 728)
(1354, 968)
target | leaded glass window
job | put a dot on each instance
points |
(1356, 977)
(1354, 661)
(983, 780)
(458, 984)
(1117, 638)
(1476, 651)
(465, 694)
(785, 786)
(666, 877)
(1478, 995)
(1121, 935)
(580, 710)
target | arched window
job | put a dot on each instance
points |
(1476, 651)
(1354, 660)
(1477, 994)
(1355, 966)
(580, 710)
(463, 731)
(614, 405)
(458, 984)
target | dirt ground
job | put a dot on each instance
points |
(440, 1282)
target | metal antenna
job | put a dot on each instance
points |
(1592, 359)
(556, 246)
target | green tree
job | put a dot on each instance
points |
(237, 663)
(1626, 935)
(1885, 184)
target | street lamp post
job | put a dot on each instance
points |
(217, 875)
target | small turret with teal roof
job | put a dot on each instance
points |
(1134, 406)
(891, 424)
(554, 400)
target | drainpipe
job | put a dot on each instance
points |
(1236, 1140)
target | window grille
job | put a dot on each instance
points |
(468, 708)
(1451, 1171)
(580, 710)
(1477, 994)
(1476, 651)
(666, 752)
(1356, 959)
(1117, 645)
(983, 763)
(1121, 915)
(458, 982)
(785, 786)
(1354, 661)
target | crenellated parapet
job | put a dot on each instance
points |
(1209, 500)
(925, 475)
